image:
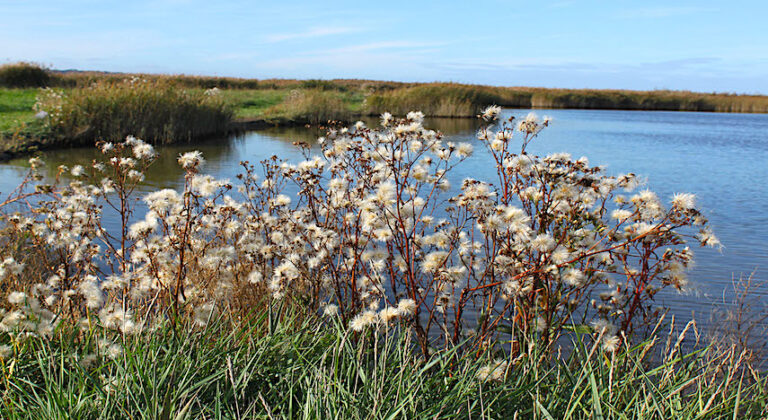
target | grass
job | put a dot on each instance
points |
(451, 99)
(434, 100)
(16, 108)
(251, 103)
(304, 369)
(294, 106)
(20, 75)
(156, 111)
(294, 102)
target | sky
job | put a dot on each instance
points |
(707, 46)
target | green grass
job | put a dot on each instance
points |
(305, 369)
(252, 103)
(296, 106)
(16, 108)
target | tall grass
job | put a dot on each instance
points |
(436, 100)
(301, 369)
(455, 100)
(313, 106)
(22, 75)
(660, 100)
(158, 111)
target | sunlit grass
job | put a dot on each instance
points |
(251, 103)
(156, 110)
(16, 108)
(294, 368)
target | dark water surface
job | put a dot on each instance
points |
(722, 158)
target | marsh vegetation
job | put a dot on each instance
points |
(177, 110)
(371, 290)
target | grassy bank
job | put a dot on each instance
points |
(174, 111)
(452, 99)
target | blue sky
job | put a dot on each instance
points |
(695, 45)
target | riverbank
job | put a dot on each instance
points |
(257, 104)
(258, 344)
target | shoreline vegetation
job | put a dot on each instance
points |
(183, 108)
(373, 291)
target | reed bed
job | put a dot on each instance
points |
(310, 106)
(158, 111)
(24, 75)
(435, 100)
(454, 100)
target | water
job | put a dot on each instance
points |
(722, 158)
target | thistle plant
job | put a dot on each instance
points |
(369, 233)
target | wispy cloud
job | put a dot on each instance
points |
(312, 33)
(381, 45)
(661, 12)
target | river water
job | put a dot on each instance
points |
(722, 158)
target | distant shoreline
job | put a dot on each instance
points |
(261, 103)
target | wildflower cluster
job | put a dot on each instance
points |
(369, 233)
(49, 106)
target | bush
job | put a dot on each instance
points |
(156, 110)
(21, 75)
(375, 236)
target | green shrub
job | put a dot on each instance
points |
(19, 75)
(157, 111)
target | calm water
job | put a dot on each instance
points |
(722, 158)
